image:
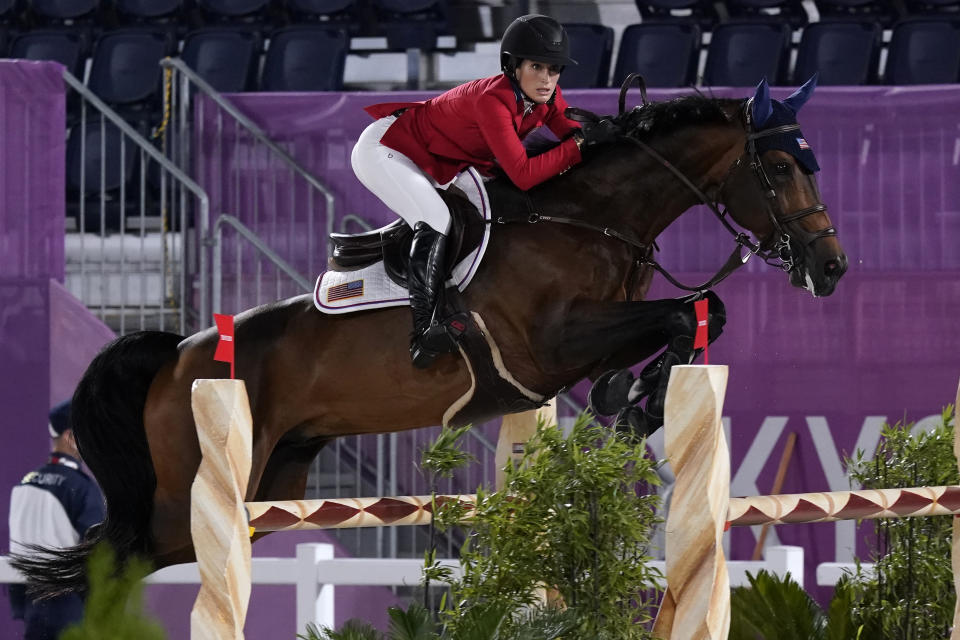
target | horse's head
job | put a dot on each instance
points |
(772, 191)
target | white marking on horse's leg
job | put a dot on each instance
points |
(498, 362)
(462, 401)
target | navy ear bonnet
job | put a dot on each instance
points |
(767, 113)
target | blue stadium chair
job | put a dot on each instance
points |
(58, 45)
(256, 15)
(664, 53)
(322, 9)
(411, 24)
(591, 45)
(948, 9)
(60, 10)
(9, 10)
(883, 11)
(743, 53)
(700, 12)
(84, 155)
(225, 58)
(305, 58)
(924, 52)
(349, 14)
(844, 53)
(159, 13)
(125, 72)
(790, 11)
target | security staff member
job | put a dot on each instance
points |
(53, 507)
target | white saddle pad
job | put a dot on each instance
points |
(371, 287)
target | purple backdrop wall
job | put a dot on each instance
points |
(832, 370)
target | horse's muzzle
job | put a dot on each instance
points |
(820, 277)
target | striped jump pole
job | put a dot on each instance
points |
(696, 603)
(342, 513)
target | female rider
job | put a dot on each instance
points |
(415, 148)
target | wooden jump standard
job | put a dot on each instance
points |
(221, 522)
(697, 600)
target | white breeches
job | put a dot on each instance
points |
(397, 181)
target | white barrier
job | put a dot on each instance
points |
(315, 574)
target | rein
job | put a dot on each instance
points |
(782, 250)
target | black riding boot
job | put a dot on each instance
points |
(424, 278)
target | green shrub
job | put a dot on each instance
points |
(114, 606)
(910, 595)
(571, 518)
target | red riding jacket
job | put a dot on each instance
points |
(481, 124)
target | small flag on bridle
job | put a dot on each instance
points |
(224, 352)
(701, 339)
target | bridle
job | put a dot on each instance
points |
(781, 254)
(782, 249)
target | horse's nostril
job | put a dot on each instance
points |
(834, 268)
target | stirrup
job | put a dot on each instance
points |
(437, 339)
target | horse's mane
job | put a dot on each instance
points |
(656, 119)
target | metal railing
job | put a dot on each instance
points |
(264, 188)
(133, 187)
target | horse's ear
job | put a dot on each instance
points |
(762, 108)
(801, 95)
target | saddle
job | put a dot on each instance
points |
(391, 243)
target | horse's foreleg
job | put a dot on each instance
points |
(630, 332)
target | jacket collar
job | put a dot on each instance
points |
(523, 101)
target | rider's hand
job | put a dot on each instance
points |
(600, 132)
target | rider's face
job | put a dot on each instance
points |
(538, 79)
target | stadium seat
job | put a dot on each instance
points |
(9, 10)
(591, 45)
(225, 58)
(664, 53)
(59, 45)
(305, 58)
(233, 8)
(882, 11)
(790, 11)
(260, 16)
(743, 53)
(843, 53)
(947, 9)
(924, 52)
(700, 12)
(125, 72)
(322, 9)
(60, 10)
(84, 155)
(411, 24)
(152, 12)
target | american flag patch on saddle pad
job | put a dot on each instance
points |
(352, 289)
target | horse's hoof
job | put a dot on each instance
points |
(609, 393)
(635, 421)
(658, 394)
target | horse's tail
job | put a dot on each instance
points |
(107, 420)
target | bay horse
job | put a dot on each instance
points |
(562, 301)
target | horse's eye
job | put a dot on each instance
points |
(782, 168)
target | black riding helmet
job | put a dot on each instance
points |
(534, 37)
